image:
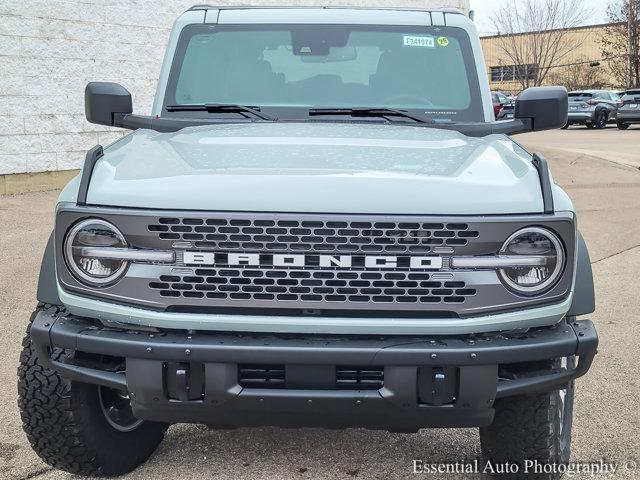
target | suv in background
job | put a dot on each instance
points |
(503, 106)
(593, 108)
(320, 224)
(629, 112)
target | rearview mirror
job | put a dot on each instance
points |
(545, 107)
(102, 100)
(336, 54)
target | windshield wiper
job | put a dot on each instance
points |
(369, 112)
(222, 108)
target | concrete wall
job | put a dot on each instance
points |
(50, 49)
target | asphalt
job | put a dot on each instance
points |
(597, 168)
(609, 143)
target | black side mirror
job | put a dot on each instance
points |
(102, 100)
(546, 107)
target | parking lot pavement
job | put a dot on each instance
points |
(606, 422)
(610, 144)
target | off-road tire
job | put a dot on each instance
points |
(530, 427)
(566, 125)
(623, 126)
(65, 425)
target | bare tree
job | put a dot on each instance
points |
(547, 42)
(621, 43)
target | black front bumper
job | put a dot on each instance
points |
(427, 382)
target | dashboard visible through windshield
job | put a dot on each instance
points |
(286, 71)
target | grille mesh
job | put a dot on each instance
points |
(312, 286)
(359, 378)
(346, 377)
(312, 235)
(261, 376)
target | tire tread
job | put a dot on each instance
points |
(526, 428)
(56, 418)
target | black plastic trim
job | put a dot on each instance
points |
(586, 349)
(394, 406)
(540, 163)
(47, 284)
(584, 297)
(90, 161)
(477, 129)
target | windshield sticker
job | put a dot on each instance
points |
(443, 41)
(419, 41)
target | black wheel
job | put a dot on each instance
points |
(80, 428)
(531, 427)
(623, 126)
(566, 125)
(601, 120)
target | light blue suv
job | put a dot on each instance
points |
(320, 224)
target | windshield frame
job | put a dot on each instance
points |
(473, 114)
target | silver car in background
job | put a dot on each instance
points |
(629, 112)
(592, 108)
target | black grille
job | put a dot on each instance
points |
(261, 376)
(312, 235)
(359, 378)
(205, 279)
(346, 377)
(266, 284)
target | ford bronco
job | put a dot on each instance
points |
(320, 224)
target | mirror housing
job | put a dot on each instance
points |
(103, 100)
(545, 107)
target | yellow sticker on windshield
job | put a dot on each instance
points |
(443, 41)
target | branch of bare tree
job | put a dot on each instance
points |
(621, 43)
(548, 21)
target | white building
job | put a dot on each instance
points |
(50, 49)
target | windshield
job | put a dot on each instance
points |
(504, 99)
(429, 70)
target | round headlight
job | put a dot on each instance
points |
(546, 253)
(77, 251)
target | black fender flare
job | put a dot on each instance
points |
(47, 284)
(584, 298)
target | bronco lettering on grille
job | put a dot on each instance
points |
(315, 261)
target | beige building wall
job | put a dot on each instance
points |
(50, 49)
(590, 50)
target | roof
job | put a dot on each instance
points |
(308, 7)
(332, 15)
(588, 90)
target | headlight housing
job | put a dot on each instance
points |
(84, 236)
(533, 242)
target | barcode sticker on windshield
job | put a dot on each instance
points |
(419, 41)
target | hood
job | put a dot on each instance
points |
(319, 167)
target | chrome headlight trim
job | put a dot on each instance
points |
(129, 254)
(557, 271)
(71, 264)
